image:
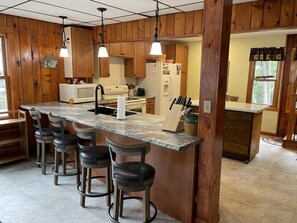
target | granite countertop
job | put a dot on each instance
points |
(145, 127)
(238, 106)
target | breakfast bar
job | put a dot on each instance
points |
(173, 155)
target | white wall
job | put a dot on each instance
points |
(238, 70)
(117, 73)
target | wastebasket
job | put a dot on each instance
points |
(190, 124)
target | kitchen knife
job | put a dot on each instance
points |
(185, 101)
(172, 103)
(178, 100)
(189, 102)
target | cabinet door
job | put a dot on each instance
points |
(124, 49)
(104, 67)
(115, 49)
(139, 59)
(182, 56)
(82, 52)
(127, 49)
(135, 67)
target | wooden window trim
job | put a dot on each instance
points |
(277, 80)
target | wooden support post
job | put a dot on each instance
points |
(215, 50)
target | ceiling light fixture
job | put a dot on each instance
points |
(63, 50)
(102, 49)
(156, 46)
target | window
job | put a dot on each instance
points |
(3, 76)
(264, 81)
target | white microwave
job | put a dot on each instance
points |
(79, 93)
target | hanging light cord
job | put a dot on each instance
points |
(102, 29)
(157, 21)
(63, 33)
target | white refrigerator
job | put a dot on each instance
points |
(162, 81)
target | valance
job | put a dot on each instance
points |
(266, 54)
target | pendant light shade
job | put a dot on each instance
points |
(102, 52)
(156, 46)
(63, 50)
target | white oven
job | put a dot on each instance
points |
(133, 103)
(136, 104)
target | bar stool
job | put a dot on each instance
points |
(64, 144)
(130, 176)
(92, 156)
(43, 136)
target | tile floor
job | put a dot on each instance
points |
(265, 190)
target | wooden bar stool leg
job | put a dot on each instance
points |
(77, 166)
(64, 162)
(108, 175)
(38, 153)
(146, 204)
(83, 186)
(89, 179)
(121, 204)
(116, 203)
(43, 160)
(56, 169)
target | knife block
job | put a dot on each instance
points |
(173, 122)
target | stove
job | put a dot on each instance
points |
(133, 103)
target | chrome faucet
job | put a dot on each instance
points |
(96, 99)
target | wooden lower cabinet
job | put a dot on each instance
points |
(150, 105)
(13, 137)
(242, 135)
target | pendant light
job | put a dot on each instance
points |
(63, 50)
(102, 49)
(156, 46)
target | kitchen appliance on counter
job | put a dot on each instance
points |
(163, 81)
(79, 93)
(133, 103)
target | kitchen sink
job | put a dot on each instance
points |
(110, 111)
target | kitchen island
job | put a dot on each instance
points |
(242, 129)
(173, 155)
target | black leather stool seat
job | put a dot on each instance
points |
(68, 140)
(129, 172)
(91, 157)
(45, 133)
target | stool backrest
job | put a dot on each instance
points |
(58, 123)
(36, 116)
(86, 138)
(117, 150)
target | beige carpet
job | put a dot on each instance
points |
(262, 191)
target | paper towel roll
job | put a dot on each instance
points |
(121, 108)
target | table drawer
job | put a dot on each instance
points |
(236, 148)
(236, 125)
(238, 116)
(237, 137)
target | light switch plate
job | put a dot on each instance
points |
(206, 106)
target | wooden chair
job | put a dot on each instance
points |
(64, 143)
(231, 98)
(130, 176)
(92, 156)
(43, 136)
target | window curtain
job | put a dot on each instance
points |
(267, 54)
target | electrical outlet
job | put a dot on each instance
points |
(206, 106)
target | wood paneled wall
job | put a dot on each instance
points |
(30, 42)
(246, 17)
